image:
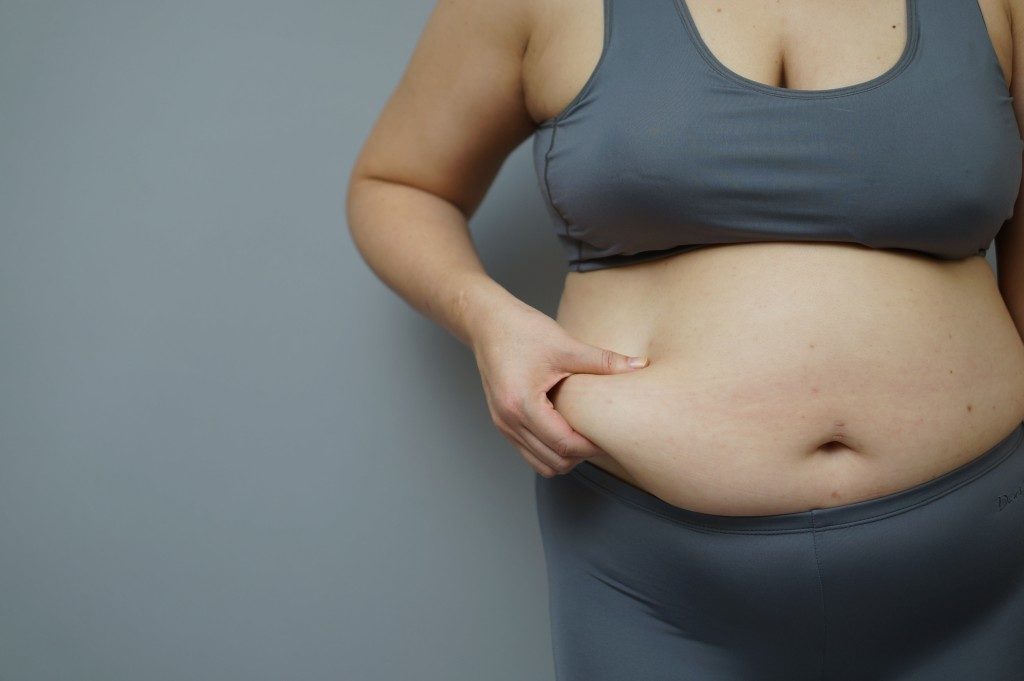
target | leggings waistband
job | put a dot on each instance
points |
(816, 518)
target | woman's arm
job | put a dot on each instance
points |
(456, 114)
(440, 140)
(1010, 240)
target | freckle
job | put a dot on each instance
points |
(950, 371)
(970, 408)
(811, 344)
(835, 494)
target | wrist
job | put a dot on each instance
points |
(481, 303)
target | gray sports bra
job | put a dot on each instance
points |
(665, 149)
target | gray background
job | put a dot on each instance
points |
(228, 450)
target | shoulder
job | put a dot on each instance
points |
(510, 23)
(457, 110)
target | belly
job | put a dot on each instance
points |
(790, 376)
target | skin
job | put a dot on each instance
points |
(791, 415)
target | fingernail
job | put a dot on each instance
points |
(637, 362)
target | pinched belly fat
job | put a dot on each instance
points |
(758, 439)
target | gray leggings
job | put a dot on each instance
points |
(924, 584)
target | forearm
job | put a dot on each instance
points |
(420, 246)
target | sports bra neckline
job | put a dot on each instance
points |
(905, 59)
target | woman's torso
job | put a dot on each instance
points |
(784, 375)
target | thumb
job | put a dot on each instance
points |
(589, 359)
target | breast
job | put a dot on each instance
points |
(937, 172)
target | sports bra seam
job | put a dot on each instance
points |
(551, 200)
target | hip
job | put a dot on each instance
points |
(636, 582)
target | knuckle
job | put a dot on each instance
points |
(608, 359)
(565, 465)
(511, 403)
(535, 463)
(562, 447)
(498, 421)
(561, 355)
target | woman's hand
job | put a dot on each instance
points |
(522, 353)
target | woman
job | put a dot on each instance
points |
(782, 209)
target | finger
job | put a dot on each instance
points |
(536, 463)
(551, 428)
(562, 464)
(524, 449)
(531, 458)
(557, 463)
(589, 359)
